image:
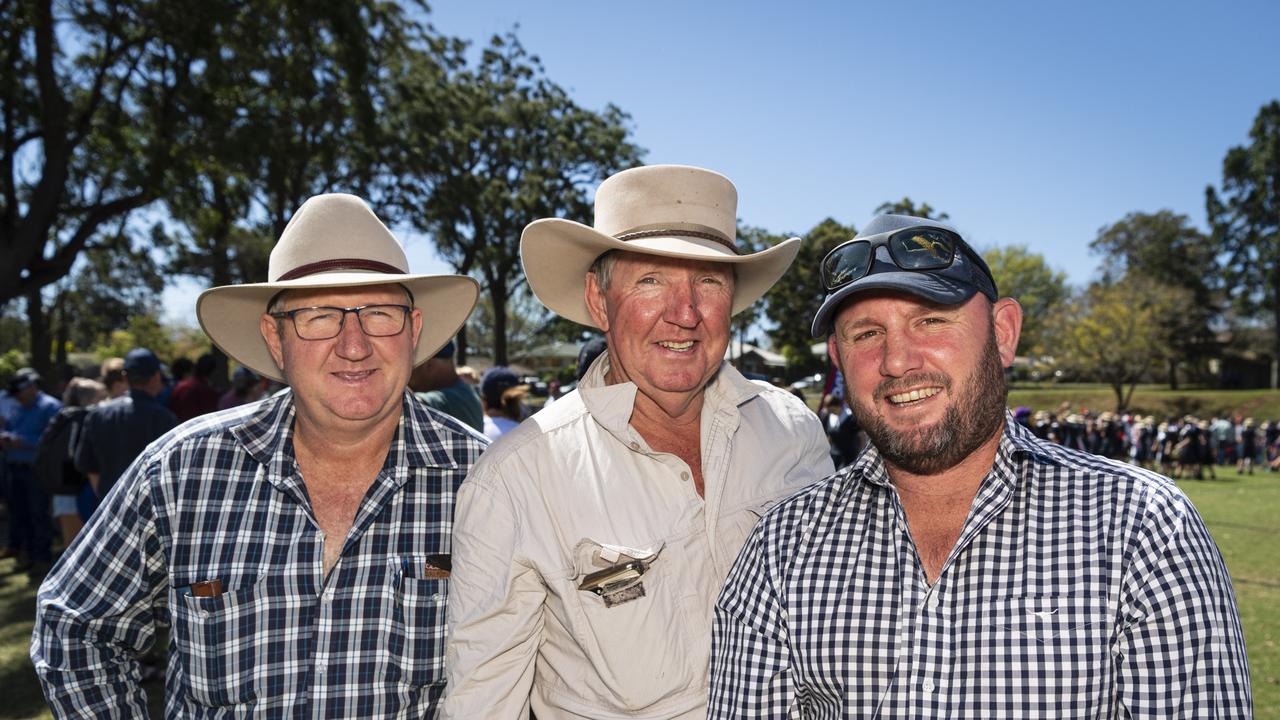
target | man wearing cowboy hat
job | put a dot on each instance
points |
(963, 568)
(298, 546)
(592, 539)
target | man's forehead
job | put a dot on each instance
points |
(642, 262)
(897, 302)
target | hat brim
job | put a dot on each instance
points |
(557, 253)
(229, 314)
(930, 286)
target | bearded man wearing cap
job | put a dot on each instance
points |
(962, 567)
(299, 546)
(591, 540)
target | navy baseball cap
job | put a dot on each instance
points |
(497, 380)
(965, 275)
(141, 362)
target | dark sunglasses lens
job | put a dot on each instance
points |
(922, 249)
(845, 264)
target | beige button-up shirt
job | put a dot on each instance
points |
(574, 490)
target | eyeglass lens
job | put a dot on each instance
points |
(322, 323)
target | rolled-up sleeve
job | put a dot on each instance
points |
(495, 610)
(95, 611)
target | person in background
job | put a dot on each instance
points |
(56, 454)
(112, 377)
(300, 546)
(587, 354)
(502, 396)
(438, 384)
(963, 568)
(246, 387)
(116, 431)
(30, 531)
(195, 395)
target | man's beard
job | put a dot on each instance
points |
(973, 416)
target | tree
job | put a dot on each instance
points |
(112, 286)
(906, 207)
(1112, 332)
(1246, 222)
(1165, 248)
(518, 149)
(91, 102)
(1026, 277)
(794, 299)
(291, 109)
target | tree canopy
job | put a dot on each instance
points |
(1042, 291)
(1245, 217)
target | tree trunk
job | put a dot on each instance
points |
(40, 340)
(498, 294)
(460, 354)
(1173, 374)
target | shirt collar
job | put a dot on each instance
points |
(611, 405)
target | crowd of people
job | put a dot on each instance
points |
(1183, 448)
(65, 444)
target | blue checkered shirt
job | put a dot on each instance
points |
(221, 498)
(1079, 588)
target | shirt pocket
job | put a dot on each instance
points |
(1051, 652)
(220, 640)
(640, 640)
(417, 641)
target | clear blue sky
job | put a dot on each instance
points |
(1028, 122)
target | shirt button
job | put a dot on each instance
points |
(635, 446)
(932, 602)
(684, 475)
(928, 686)
(204, 614)
(327, 595)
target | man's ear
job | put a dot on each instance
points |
(833, 352)
(596, 305)
(1006, 320)
(270, 330)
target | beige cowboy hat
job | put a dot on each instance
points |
(668, 210)
(333, 240)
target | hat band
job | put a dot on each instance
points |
(340, 264)
(678, 233)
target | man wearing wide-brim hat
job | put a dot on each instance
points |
(591, 540)
(299, 546)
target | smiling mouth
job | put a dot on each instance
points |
(912, 396)
(677, 346)
(353, 376)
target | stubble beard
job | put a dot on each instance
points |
(972, 418)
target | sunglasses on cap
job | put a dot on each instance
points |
(920, 248)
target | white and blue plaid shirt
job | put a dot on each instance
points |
(221, 498)
(1079, 588)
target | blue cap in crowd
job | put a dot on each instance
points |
(141, 363)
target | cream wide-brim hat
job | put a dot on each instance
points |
(332, 241)
(668, 210)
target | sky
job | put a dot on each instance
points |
(1034, 123)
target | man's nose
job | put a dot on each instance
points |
(353, 344)
(682, 306)
(900, 355)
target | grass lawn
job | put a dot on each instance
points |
(1243, 514)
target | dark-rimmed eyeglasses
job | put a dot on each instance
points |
(914, 248)
(324, 322)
